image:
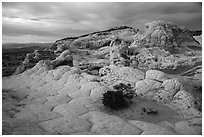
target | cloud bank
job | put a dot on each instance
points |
(47, 22)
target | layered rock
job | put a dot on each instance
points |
(64, 59)
(196, 32)
(118, 53)
(32, 58)
(164, 34)
(93, 40)
(156, 75)
(60, 45)
(198, 39)
(57, 98)
(164, 45)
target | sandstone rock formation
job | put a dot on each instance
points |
(64, 59)
(65, 100)
(169, 92)
(156, 75)
(93, 40)
(164, 34)
(196, 32)
(118, 53)
(33, 58)
(198, 38)
(165, 46)
(50, 94)
(114, 74)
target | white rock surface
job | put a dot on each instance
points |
(156, 75)
(66, 101)
(111, 74)
(168, 89)
(36, 113)
(152, 129)
(183, 100)
(106, 124)
(66, 125)
(22, 127)
(190, 127)
(145, 86)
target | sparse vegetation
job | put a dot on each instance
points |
(127, 90)
(118, 98)
(114, 100)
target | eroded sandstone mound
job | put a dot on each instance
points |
(32, 58)
(164, 45)
(63, 94)
(65, 58)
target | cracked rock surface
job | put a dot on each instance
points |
(66, 101)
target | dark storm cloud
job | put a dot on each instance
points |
(58, 20)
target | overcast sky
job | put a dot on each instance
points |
(47, 22)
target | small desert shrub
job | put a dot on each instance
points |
(118, 99)
(127, 90)
(114, 100)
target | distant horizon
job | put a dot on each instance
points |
(31, 22)
(62, 38)
(26, 42)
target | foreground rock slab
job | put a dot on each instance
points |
(65, 101)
